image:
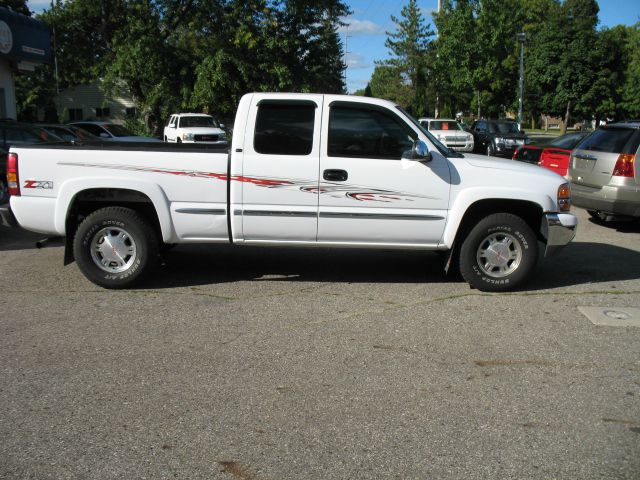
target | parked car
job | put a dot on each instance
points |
(449, 132)
(112, 132)
(603, 174)
(18, 134)
(69, 133)
(553, 155)
(498, 137)
(194, 128)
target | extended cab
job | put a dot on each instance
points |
(303, 169)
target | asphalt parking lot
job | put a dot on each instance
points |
(255, 363)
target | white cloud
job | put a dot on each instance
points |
(361, 27)
(356, 61)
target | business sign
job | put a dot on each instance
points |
(6, 38)
(23, 38)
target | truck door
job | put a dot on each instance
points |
(368, 193)
(281, 155)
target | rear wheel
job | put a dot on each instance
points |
(115, 247)
(499, 253)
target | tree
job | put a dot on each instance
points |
(408, 45)
(387, 82)
(631, 86)
(18, 6)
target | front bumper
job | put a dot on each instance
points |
(7, 218)
(558, 229)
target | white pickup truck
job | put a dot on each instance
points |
(303, 169)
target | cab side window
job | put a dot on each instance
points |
(367, 133)
(284, 128)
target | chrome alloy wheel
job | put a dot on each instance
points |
(499, 255)
(113, 250)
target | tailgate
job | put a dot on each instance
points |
(592, 168)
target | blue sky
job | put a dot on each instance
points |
(371, 18)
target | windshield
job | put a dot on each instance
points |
(447, 152)
(118, 130)
(198, 121)
(504, 127)
(444, 125)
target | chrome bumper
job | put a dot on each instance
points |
(558, 229)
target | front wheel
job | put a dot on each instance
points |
(499, 253)
(115, 247)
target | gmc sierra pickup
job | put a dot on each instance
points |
(303, 169)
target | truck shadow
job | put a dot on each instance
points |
(580, 263)
(209, 264)
(19, 239)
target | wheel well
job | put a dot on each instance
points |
(88, 201)
(530, 212)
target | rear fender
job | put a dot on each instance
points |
(71, 188)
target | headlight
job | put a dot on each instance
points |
(469, 138)
(527, 141)
(564, 197)
(187, 136)
(222, 136)
(498, 140)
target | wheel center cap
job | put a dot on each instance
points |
(498, 255)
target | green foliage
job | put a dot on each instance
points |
(18, 6)
(572, 69)
(405, 71)
(204, 55)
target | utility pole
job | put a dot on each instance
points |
(521, 37)
(55, 57)
(346, 52)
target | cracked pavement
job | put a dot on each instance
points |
(257, 363)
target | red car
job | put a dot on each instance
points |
(554, 155)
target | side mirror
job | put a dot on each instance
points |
(522, 132)
(222, 126)
(420, 152)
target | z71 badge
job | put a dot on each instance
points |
(44, 184)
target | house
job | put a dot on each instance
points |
(89, 102)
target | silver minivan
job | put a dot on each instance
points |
(603, 171)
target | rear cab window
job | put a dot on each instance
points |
(284, 127)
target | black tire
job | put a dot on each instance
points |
(165, 138)
(178, 140)
(499, 253)
(132, 247)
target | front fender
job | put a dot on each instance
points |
(71, 188)
(467, 198)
